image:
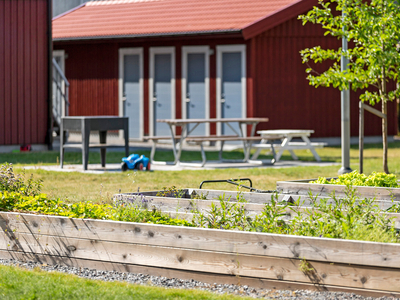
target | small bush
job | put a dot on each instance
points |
(356, 179)
(11, 182)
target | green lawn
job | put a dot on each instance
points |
(76, 186)
(17, 283)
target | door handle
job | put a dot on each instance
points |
(187, 99)
(154, 99)
(222, 100)
(123, 98)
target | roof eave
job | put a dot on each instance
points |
(277, 18)
(145, 35)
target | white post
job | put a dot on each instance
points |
(345, 114)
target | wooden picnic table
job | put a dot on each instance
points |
(178, 141)
(286, 142)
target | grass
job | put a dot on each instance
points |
(74, 186)
(17, 283)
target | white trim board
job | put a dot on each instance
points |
(220, 50)
(206, 51)
(152, 52)
(121, 53)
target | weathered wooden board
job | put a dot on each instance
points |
(187, 204)
(249, 243)
(207, 261)
(211, 278)
(303, 188)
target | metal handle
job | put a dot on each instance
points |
(187, 99)
(222, 100)
(123, 98)
(154, 99)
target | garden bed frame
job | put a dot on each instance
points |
(263, 260)
(303, 187)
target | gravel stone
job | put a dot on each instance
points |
(144, 279)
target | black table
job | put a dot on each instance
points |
(85, 124)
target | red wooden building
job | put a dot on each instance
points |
(153, 59)
(25, 53)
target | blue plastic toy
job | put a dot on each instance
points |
(135, 162)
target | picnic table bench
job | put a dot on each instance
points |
(247, 141)
(185, 137)
(287, 144)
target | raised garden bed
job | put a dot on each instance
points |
(255, 259)
(265, 260)
(303, 187)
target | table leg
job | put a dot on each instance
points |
(285, 144)
(126, 137)
(183, 136)
(85, 127)
(62, 141)
(103, 140)
(312, 149)
(221, 150)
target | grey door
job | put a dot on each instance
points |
(231, 89)
(131, 92)
(162, 93)
(196, 91)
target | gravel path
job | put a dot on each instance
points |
(144, 279)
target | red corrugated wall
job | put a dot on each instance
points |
(92, 71)
(23, 71)
(282, 92)
(276, 85)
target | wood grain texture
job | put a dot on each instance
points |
(210, 278)
(206, 261)
(302, 188)
(249, 243)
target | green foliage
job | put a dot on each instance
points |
(11, 182)
(227, 215)
(345, 218)
(16, 201)
(376, 179)
(171, 192)
(372, 28)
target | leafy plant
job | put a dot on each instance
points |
(373, 30)
(356, 179)
(172, 191)
(11, 182)
(227, 215)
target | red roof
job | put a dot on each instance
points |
(130, 18)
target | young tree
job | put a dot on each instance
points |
(372, 28)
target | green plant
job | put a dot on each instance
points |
(354, 178)
(227, 215)
(172, 191)
(305, 267)
(373, 60)
(11, 182)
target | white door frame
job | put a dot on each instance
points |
(220, 50)
(153, 51)
(121, 53)
(196, 49)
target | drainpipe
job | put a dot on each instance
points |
(49, 134)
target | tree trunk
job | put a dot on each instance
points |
(384, 138)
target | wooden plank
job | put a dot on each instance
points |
(207, 261)
(249, 243)
(299, 188)
(252, 198)
(209, 278)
